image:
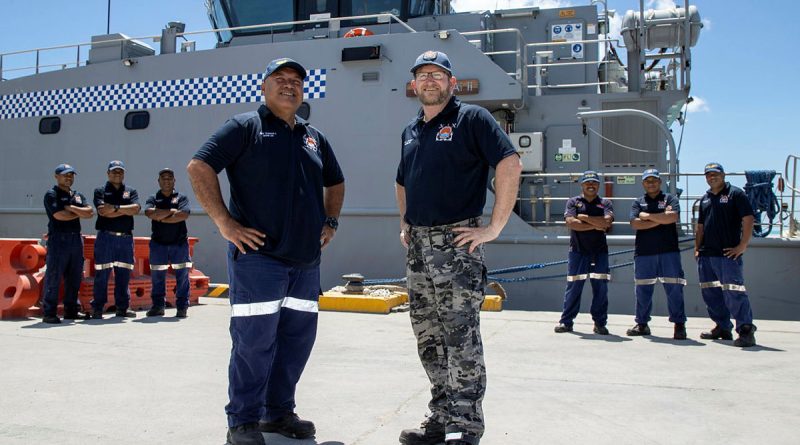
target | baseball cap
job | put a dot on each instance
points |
(651, 173)
(437, 58)
(166, 170)
(714, 167)
(284, 62)
(589, 175)
(113, 165)
(63, 169)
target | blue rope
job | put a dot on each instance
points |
(762, 199)
(493, 273)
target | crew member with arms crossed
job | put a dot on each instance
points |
(64, 207)
(286, 192)
(447, 151)
(169, 244)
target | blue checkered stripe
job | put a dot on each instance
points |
(241, 88)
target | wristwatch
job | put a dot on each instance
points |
(332, 222)
(116, 208)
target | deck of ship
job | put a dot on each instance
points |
(153, 381)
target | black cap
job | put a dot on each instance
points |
(437, 58)
(166, 170)
(114, 165)
(284, 62)
(714, 167)
(63, 169)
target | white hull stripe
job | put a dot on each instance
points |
(272, 307)
(665, 280)
(174, 266)
(113, 264)
(732, 287)
(237, 88)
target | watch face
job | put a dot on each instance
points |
(332, 222)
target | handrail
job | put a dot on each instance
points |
(795, 191)
(380, 17)
(520, 52)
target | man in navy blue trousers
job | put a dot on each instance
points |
(286, 192)
(65, 207)
(723, 231)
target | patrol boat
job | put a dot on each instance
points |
(553, 78)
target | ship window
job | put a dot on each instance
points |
(361, 7)
(304, 111)
(137, 120)
(50, 125)
(257, 12)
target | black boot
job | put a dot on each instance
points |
(680, 331)
(155, 311)
(600, 330)
(125, 313)
(717, 334)
(290, 426)
(51, 319)
(639, 329)
(747, 336)
(247, 434)
(429, 433)
(181, 313)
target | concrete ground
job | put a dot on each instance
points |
(159, 381)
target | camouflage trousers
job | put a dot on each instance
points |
(446, 290)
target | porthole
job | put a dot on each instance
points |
(50, 125)
(137, 120)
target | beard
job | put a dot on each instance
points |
(426, 98)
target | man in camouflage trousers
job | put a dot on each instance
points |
(441, 191)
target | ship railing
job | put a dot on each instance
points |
(541, 195)
(334, 24)
(519, 52)
(542, 59)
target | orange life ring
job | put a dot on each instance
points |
(358, 32)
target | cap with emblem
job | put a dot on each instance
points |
(284, 62)
(116, 165)
(63, 169)
(714, 167)
(437, 58)
(651, 173)
(166, 170)
(588, 176)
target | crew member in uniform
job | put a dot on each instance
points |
(65, 207)
(286, 192)
(169, 244)
(723, 231)
(588, 217)
(113, 249)
(447, 150)
(657, 257)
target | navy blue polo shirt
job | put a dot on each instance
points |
(721, 216)
(110, 195)
(54, 201)
(662, 238)
(168, 233)
(276, 177)
(589, 242)
(444, 165)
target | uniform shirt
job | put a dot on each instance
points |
(444, 165)
(166, 233)
(276, 177)
(110, 195)
(592, 241)
(663, 237)
(54, 201)
(721, 216)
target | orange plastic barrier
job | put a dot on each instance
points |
(20, 282)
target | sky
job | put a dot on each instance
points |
(743, 78)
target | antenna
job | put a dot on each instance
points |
(108, 18)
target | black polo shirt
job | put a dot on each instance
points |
(110, 195)
(592, 241)
(54, 201)
(168, 233)
(662, 238)
(276, 177)
(444, 164)
(721, 216)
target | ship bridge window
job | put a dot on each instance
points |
(368, 7)
(50, 125)
(256, 12)
(137, 120)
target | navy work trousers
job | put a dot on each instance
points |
(162, 257)
(581, 267)
(660, 268)
(274, 310)
(722, 286)
(112, 252)
(64, 259)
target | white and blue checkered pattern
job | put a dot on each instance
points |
(241, 88)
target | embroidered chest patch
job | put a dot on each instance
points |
(445, 134)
